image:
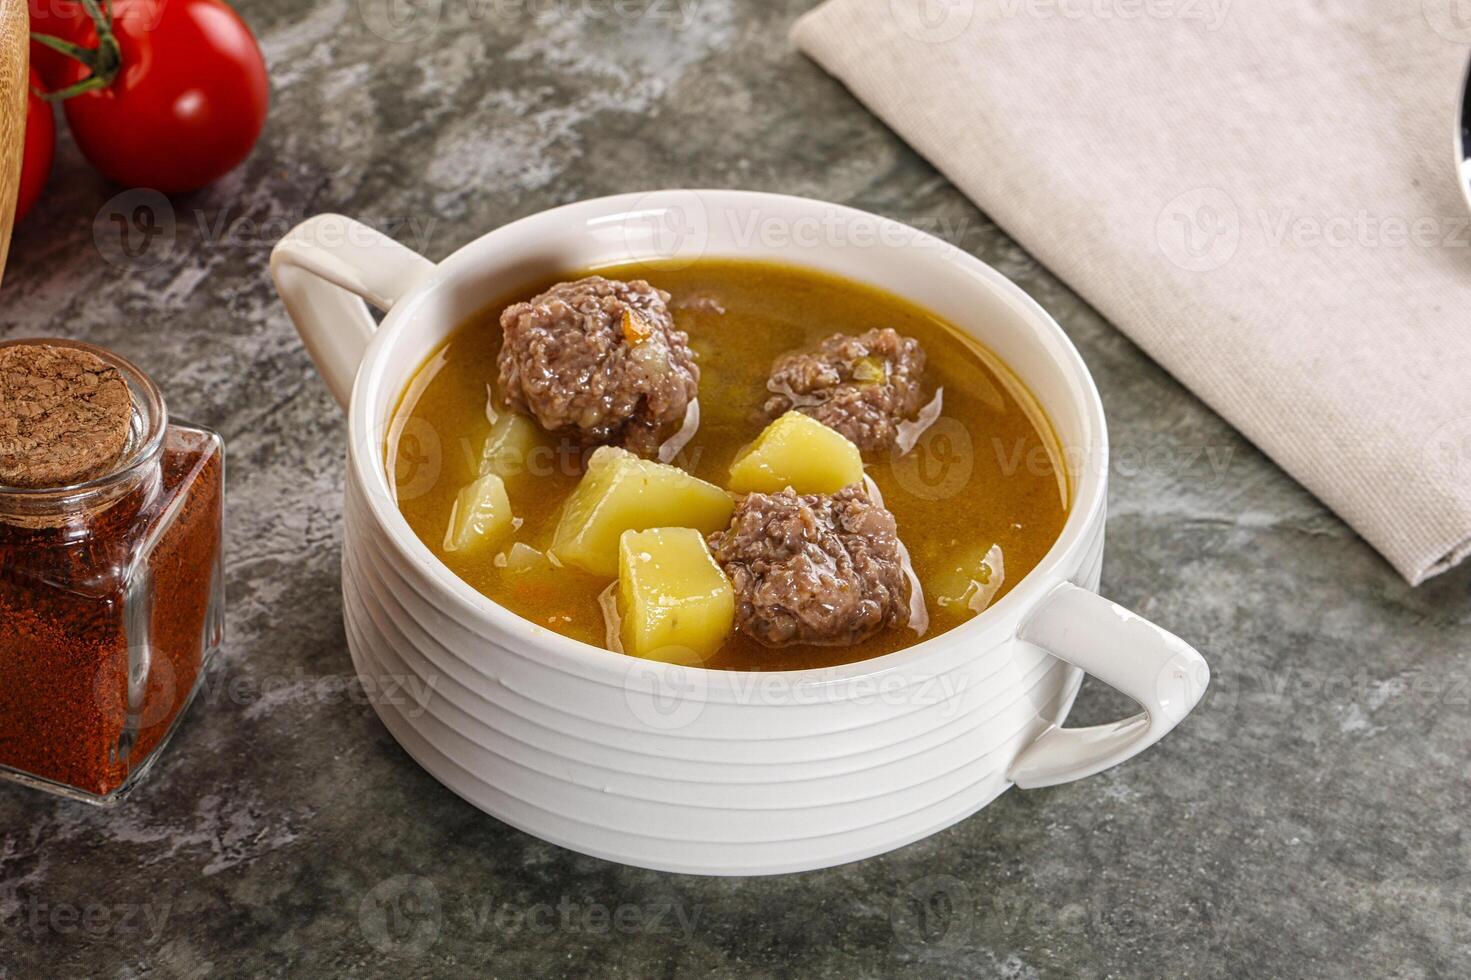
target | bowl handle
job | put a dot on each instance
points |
(327, 269)
(1132, 655)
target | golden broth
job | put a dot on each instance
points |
(984, 474)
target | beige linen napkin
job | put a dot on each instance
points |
(1262, 194)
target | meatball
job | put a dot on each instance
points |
(820, 568)
(599, 360)
(861, 386)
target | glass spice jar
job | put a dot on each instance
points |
(111, 585)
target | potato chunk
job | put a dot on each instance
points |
(531, 575)
(481, 516)
(522, 559)
(509, 447)
(798, 452)
(622, 492)
(675, 602)
(969, 581)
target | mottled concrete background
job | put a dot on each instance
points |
(1308, 820)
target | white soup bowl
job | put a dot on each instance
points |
(681, 768)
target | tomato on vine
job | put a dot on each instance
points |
(40, 144)
(167, 94)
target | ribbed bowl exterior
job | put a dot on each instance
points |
(694, 771)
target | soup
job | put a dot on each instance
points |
(972, 477)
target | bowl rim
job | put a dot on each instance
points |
(1055, 567)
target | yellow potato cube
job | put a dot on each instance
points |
(969, 580)
(675, 602)
(510, 447)
(522, 559)
(798, 452)
(481, 516)
(621, 492)
(531, 575)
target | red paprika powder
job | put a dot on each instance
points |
(111, 592)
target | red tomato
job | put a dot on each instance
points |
(35, 165)
(60, 18)
(187, 104)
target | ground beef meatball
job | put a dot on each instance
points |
(819, 568)
(861, 386)
(599, 360)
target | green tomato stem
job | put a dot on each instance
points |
(103, 61)
(84, 55)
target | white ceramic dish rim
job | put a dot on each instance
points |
(367, 459)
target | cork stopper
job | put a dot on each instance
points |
(65, 416)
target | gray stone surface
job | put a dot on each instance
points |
(1308, 820)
